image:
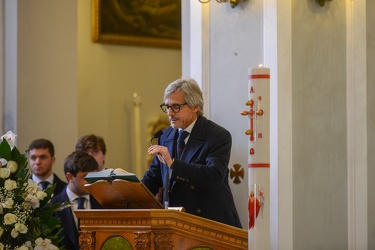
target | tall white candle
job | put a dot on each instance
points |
(259, 158)
(137, 134)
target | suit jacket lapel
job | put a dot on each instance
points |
(171, 142)
(196, 139)
(69, 227)
(195, 142)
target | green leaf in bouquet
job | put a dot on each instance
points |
(5, 150)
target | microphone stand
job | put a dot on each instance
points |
(166, 184)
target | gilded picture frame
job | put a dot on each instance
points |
(147, 23)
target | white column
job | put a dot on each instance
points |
(278, 56)
(10, 65)
(195, 46)
(356, 124)
(2, 49)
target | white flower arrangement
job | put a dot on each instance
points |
(26, 214)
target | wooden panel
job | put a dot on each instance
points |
(123, 194)
(157, 229)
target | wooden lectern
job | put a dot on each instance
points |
(156, 229)
(146, 226)
(123, 194)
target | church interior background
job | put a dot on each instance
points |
(58, 84)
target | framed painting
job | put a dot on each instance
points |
(149, 23)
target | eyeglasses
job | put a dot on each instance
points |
(175, 107)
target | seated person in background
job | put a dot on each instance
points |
(41, 158)
(77, 165)
(95, 146)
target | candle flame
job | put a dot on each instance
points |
(260, 65)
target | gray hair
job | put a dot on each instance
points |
(191, 90)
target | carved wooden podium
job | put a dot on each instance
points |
(150, 229)
(145, 225)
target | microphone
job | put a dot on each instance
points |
(156, 135)
(166, 184)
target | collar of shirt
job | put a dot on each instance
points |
(50, 179)
(72, 196)
(188, 129)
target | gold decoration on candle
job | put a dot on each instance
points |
(249, 103)
(248, 132)
(259, 112)
(245, 112)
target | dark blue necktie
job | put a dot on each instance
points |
(182, 134)
(81, 205)
(44, 184)
(81, 202)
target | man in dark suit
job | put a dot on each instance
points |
(41, 157)
(194, 175)
(77, 165)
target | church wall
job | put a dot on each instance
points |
(234, 47)
(371, 122)
(318, 109)
(47, 75)
(319, 125)
(108, 76)
(70, 86)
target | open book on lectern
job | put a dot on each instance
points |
(116, 188)
(110, 174)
